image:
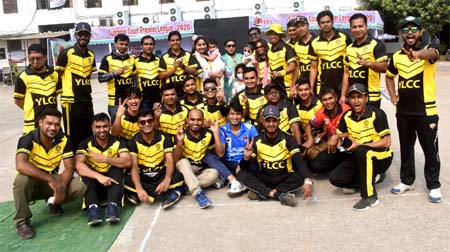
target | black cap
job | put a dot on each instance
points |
(271, 111)
(270, 86)
(412, 20)
(291, 23)
(358, 87)
(82, 26)
(301, 19)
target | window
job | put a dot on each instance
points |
(45, 4)
(129, 2)
(9, 6)
(166, 1)
(92, 3)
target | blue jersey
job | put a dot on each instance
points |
(234, 145)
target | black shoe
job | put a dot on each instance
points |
(366, 203)
(94, 215)
(25, 231)
(112, 213)
(173, 197)
(380, 177)
(55, 210)
(132, 198)
(288, 199)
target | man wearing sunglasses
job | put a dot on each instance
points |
(75, 65)
(415, 99)
(254, 34)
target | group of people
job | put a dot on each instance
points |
(177, 124)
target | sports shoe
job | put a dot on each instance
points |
(218, 184)
(132, 198)
(173, 197)
(348, 190)
(401, 188)
(55, 210)
(94, 215)
(288, 199)
(112, 213)
(366, 203)
(235, 188)
(202, 200)
(251, 195)
(25, 231)
(435, 195)
(380, 177)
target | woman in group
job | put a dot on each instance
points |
(261, 49)
(200, 52)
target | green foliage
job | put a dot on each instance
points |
(434, 14)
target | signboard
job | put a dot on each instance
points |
(341, 19)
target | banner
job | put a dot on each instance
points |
(340, 19)
(106, 34)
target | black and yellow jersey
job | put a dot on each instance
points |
(306, 113)
(330, 56)
(370, 127)
(279, 59)
(214, 112)
(147, 71)
(169, 121)
(167, 61)
(151, 156)
(195, 148)
(301, 50)
(113, 149)
(39, 91)
(199, 104)
(128, 126)
(118, 85)
(76, 67)
(274, 156)
(288, 115)
(372, 50)
(416, 84)
(39, 156)
(255, 102)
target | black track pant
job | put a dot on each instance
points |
(77, 120)
(96, 191)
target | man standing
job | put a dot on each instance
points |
(36, 88)
(417, 114)
(38, 157)
(302, 47)
(365, 59)
(101, 160)
(117, 69)
(154, 175)
(292, 32)
(282, 60)
(75, 65)
(327, 53)
(147, 71)
(176, 64)
(367, 132)
(254, 34)
(281, 169)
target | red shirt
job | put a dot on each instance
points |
(323, 119)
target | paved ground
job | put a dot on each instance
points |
(400, 223)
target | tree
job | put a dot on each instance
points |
(434, 14)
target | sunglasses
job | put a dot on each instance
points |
(410, 29)
(33, 59)
(144, 122)
(210, 88)
(259, 47)
(231, 45)
(254, 34)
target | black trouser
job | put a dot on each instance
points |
(325, 162)
(151, 183)
(426, 129)
(96, 191)
(376, 104)
(77, 120)
(264, 183)
(359, 169)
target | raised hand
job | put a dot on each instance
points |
(180, 134)
(248, 150)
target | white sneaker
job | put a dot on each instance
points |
(348, 190)
(401, 188)
(235, 188)
(435, 195)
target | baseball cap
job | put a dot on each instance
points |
(412, 20)
(358, 87)
(277, 28)
(301, 19)
(271, 111)
(270, 86)
(291, 23)
(82, 26)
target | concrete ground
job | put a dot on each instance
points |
(407, 222)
